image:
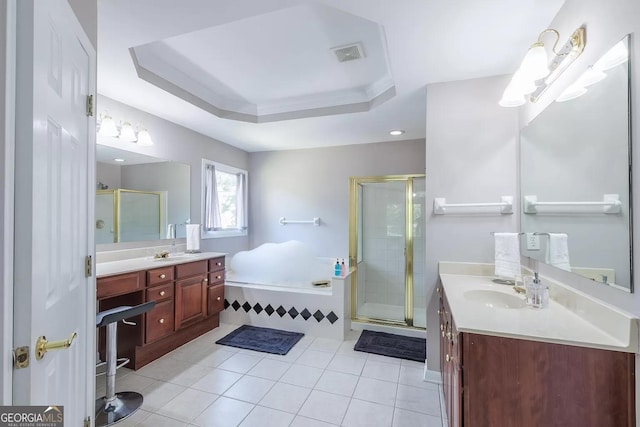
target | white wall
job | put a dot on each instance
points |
(108, 175)
(177, 143)
(303, 184)
(606, 24)
(87, 13)
(470, 157)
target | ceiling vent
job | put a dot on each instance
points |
(348, 52)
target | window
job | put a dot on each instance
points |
(224, 200)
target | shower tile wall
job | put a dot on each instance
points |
(383, 243)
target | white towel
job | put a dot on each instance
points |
(558, 251)
(193, 237)
(171, 231)
(507, 255)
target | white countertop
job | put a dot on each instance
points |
(600, 326)
(112, 268)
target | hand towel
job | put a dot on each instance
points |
(507, 255)
(558, 251)
(193, 237)
(171, 231)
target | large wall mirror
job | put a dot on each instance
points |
(139, 198)
(575, 176)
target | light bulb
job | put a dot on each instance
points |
(127, 133)
(108, 126)
(144, 139)
(535, 65)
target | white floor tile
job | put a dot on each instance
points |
(135, 418)
(381, 371)
(304, 376)
(415, 377)
(215, 358)
(217, 381)
(305, 342)
(224, 412)
(285, 397)
(269, 369)
(376, 391)
(190, 375)
(337, 383)
(158, 394)
(317, 359)
(325, 407)
(418, 400)
(404, 418)
(163, 369)
(290, 357)
(346, 348)
(385, 359)
(325, 344)
(241, 363)
(249, 389)
(412, 363)
(155, 420)
(267, 417)
(346, 364)
(367, 414)
(187, 405)
(300, 421)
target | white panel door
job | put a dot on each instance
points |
(54, 208)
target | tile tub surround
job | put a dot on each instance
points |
(572, 317)
(204, 384)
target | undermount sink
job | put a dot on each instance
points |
(494, 299)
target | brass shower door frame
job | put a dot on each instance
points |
(354, 213)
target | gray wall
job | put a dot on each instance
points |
(470, 157)
(87, 13)
(606, 23)
(177, 143)
(109, 175)
(303, 184)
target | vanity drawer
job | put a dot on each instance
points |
(216, 278)
(191, 269)
(159, 275)
(216, 264)
(160, 321)
(215, 299)
(159, 293)
(119, 285)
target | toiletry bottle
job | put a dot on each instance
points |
(337, 268)
(343, 268)
(537, 290)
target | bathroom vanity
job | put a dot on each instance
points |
(507, 364)
(189, 293)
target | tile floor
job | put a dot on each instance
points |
(320, 382)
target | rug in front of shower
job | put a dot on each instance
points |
(392, 345)
(266, 340)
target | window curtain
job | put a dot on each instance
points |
(241, 214)
(212, 219)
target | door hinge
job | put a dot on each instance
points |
(87, 422)
(90, 105)
(21, 357)
(88, 266)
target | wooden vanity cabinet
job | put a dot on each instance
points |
(188, 304)
(498, 381)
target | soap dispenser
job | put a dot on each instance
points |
(337, 268)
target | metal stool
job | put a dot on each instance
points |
(114, 407)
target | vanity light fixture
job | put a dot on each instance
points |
(396, 132)
(126, 132)
(536, 73)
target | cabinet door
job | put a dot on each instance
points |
(191, 300)
(216, 299)
(160, 321)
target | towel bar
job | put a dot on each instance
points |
(284, 221)
(610, 203)
(440, 205)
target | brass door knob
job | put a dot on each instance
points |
(42, 345)
(161, 321)
(162, 276)
(162, 293)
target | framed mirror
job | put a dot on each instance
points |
(139, 198)
(575, 174)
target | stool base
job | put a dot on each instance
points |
(124, 404)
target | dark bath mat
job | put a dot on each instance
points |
(266, 340)
(392, 345)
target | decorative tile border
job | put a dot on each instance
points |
(280, 311)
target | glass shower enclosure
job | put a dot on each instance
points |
(386, 240)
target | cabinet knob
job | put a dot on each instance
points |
(442, 334)
(162, 293)
(218, 299)
(441, 327)
(218, 277)
(449, 335)
(162, 276)
(206, 280)
(438, 289)
(161, 321)
(448, 358)
(439, 311)
(218, 264)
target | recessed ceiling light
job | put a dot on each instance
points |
(118, 160)
(396, 132)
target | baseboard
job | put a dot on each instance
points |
(432, 376)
